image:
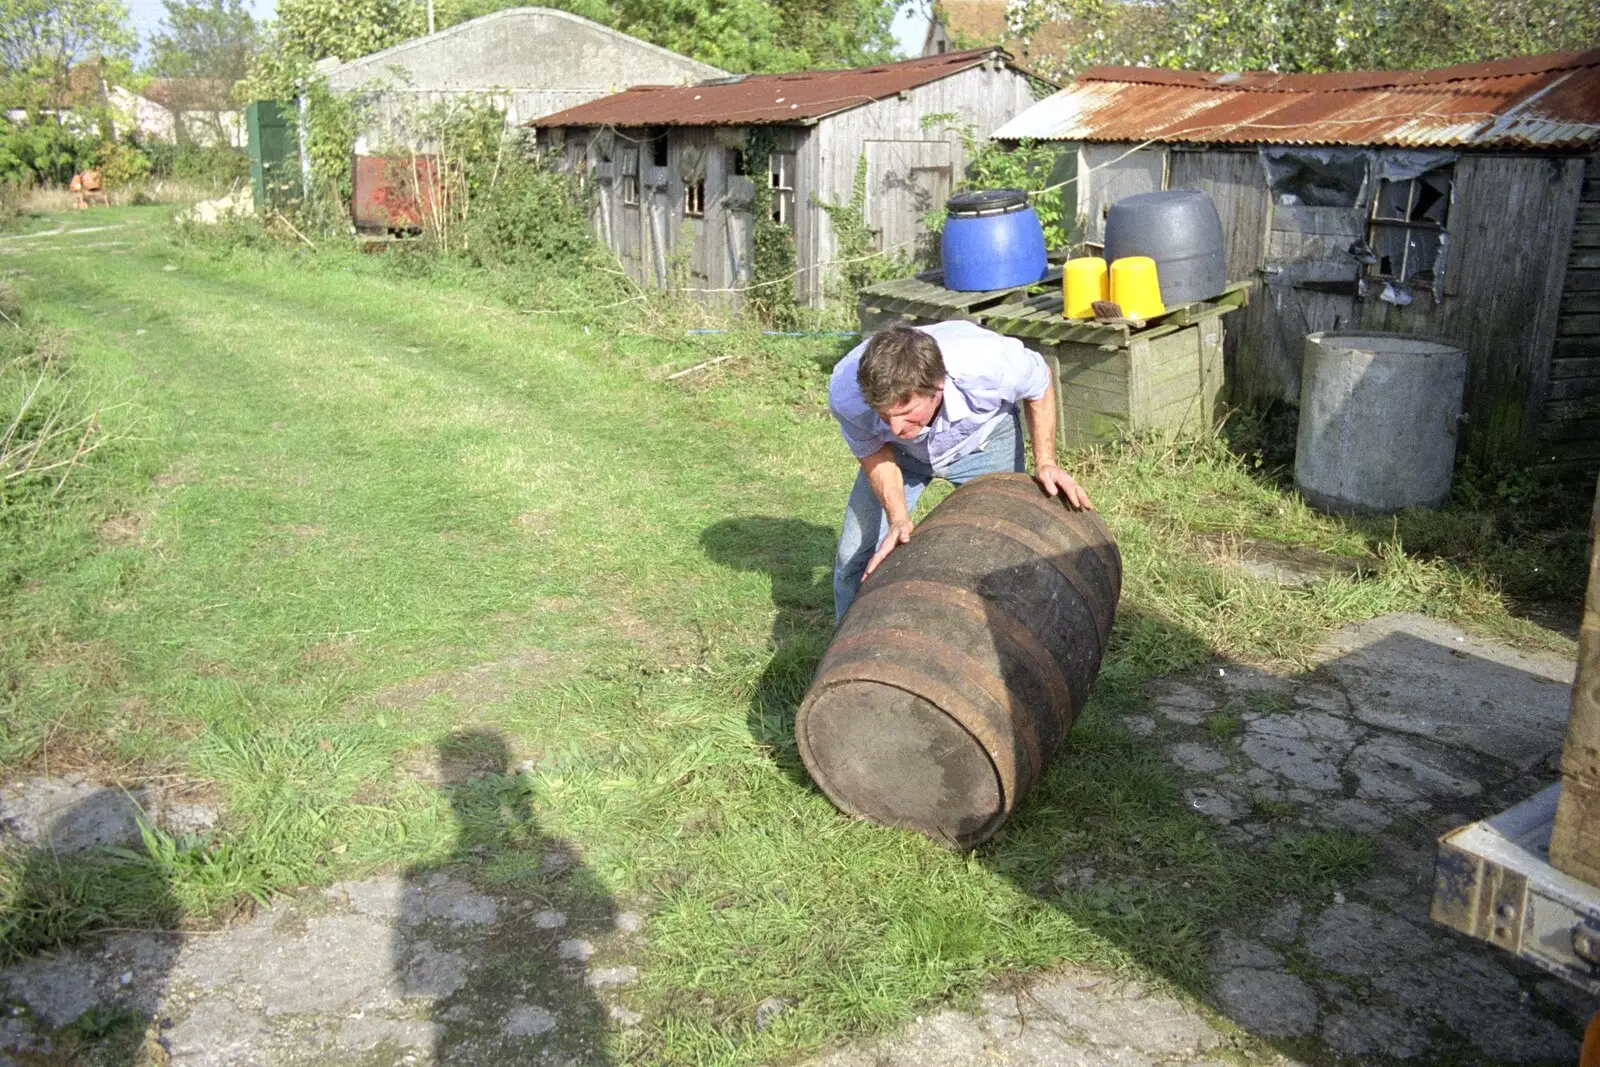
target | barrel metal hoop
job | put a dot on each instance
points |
(1004, 625)
(999, 748)
(1011, 485)
(948, 700)
(1039, 547)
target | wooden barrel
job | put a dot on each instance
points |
(958, 671)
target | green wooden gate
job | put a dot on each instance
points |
(274, 153)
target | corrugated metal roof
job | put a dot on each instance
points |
(1547, 102)
(765, 99)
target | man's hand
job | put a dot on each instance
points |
(899, 533)
(1057, 482)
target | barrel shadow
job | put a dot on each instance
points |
(797, 556)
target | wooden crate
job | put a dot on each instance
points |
(1165, 378)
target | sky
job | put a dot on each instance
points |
(909, 27)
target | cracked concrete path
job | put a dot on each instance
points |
(419, 969)
(1405, 728)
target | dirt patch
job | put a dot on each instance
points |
(304, 532)
(94, 662)
(671, 647)
(535, 522)
(122, 530)
(1274, 561)
(487, 683)
(162, 481)
(331, 654)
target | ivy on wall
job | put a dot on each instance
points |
(775, 264)
(859, 262)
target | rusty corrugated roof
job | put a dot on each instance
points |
(1547, 102)
(765, 99)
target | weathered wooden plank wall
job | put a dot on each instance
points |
(1233, 180)
(1566, 433)
(1109, 172)
(1511, 229)
(981, 98)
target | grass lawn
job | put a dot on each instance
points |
(351, 515)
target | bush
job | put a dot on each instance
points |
(36, 150)
(120, 165)
(530, 216)
(47, 426)
(186, 161)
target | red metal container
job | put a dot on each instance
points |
(396, 194)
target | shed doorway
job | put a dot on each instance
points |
(905, 180)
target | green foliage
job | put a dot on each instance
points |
(531, 216)
(332, 122)
(41, 39)
(345, 29)
(214, 165)
(774, 261)
(1029, 166)
(120, 164)
(1286, 35)
(41, 148)
(860, 262)
(737, 35)
(211, 39)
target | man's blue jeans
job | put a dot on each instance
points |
(866, 524)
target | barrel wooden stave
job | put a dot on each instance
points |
(958, 671)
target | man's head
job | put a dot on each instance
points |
(901, 376)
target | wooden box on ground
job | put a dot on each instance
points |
(1164, 378)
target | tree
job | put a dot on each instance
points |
(40, 40)
(737, 35)
(1302, 35)
(345, 29)
(211, 39)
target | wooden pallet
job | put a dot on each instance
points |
(924, 299)
(1039, 318)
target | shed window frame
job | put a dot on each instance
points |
(780, 176)
(630, 177)
(694, 199)
(1411, 216)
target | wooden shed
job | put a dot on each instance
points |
(1460, 204)
(670, 163)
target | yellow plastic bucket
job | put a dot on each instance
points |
(1134, 286)
(1083, 281)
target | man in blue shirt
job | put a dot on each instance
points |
(925, 402)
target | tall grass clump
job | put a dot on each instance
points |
(51, 424)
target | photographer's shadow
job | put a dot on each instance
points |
(798, 558)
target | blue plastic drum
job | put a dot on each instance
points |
(992, 240)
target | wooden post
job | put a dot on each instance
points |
(1575, 841)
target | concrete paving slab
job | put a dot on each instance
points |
(1416, 675)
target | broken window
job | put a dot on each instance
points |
(736, 163)
(780, 167)
(694, 199)
(658, 149)
(1315, 177)
(1407, 233)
